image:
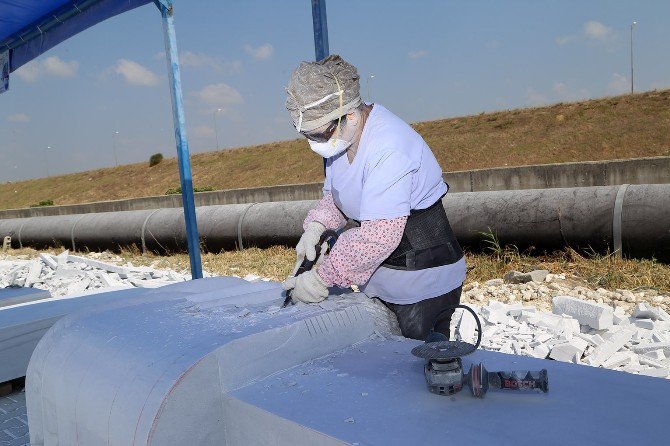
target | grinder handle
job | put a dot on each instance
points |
(307, 265)
(520, 380)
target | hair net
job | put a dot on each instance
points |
(322, 91)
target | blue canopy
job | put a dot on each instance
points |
(29, 28)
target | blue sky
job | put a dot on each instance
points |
(429, 59)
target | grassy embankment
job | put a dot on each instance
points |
(619, 127)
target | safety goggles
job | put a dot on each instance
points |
(326, 134)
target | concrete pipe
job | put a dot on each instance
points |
(632, 219)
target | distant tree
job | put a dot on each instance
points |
(156, 158)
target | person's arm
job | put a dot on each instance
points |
(326, 213)
(385, 207)
(359, 252)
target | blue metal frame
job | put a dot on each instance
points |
(185, 178)
(320, 29)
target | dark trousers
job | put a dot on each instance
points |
(416, 320)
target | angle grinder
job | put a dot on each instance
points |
(444, 368)
(329, 236)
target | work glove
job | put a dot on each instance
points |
(307, 287)
(306, 247)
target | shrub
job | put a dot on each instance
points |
(177, 190)
(156, 158)
(42, 203)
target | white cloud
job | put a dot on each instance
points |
(135, 74)
(598, 31)
(562, 40)
(566, 93)
(263, 52)
(418, 54)
(594, 31)
(18, 117)
(189, 59)
(29, 72)
(203, 132)
(52, 65)
(618, 84)
(58, 67)
(534, 97)
(218, 95)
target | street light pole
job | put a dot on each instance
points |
(116, 160)
(631, 56)
(367, 81)
(216, 127)
(46, 159)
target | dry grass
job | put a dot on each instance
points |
(620, 127)
(595, 271)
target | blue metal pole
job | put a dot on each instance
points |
(320, 29)
(320, 36)
(185, 177)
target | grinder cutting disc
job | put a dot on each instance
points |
(443, 350)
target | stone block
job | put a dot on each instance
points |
(605, 350)
(594, 315)
(467, 328)
(33, 273)
(48, 261)
(120, 270)
(540, 351)
(657, 355)
(644, 348)
(618, 359)
(519, 277)
(565, 352)
(662, 372)
(644, 323)
(645, 311)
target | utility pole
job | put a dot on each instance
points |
(216, 127)
(632, 25)
(116, 160)
(46, 159)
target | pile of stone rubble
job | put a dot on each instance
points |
(581, 327)
(66, 274)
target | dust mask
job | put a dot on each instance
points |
(341, 140)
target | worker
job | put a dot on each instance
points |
(381, 174)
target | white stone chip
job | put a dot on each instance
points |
(605, 350)
(467, 328)
(618, 359)
(598, 316)
(657, 355)
(645, 311)
(252, 278)
(565, 352)
(120, 270)
(61, 258)
(540, 351)
(650, 362)
(33, 273)
(48, 260)
(662, 372)
(644, 348)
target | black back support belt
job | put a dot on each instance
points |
(428, 241)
